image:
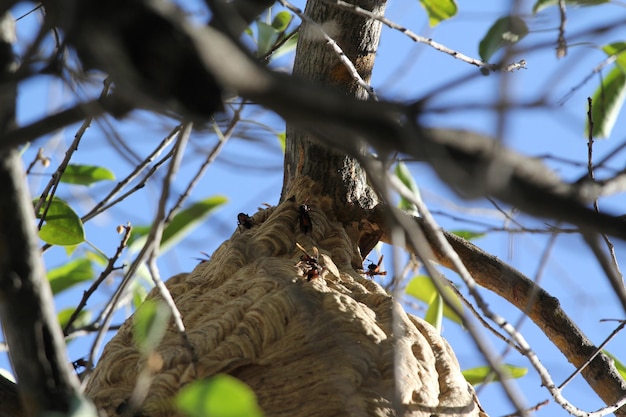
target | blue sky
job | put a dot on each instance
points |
(249, 170)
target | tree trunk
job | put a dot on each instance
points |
(310, 339)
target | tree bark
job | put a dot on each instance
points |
(334, 173)
(37, 348)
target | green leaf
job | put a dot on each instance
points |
(188, 219)
(422, 288)
(434, 314)
(621, 368)
(63, 226)
(150, 323)
(439, 10)
(478, 375)
(404, 175)
(82, 320)
(267, 37)
(288, 46)
(70, 274)
(139, 293)
(607, 102)
(97, 257)
(281, 21)
(504, 32)
(220, 396)
(138, 237)
(619, 50)
(181, 225)
(542, 4)
(86, 174)
(467, 234)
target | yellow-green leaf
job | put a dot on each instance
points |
(139, 294)
(621, 368)
(183, 223)
(607, 101)
(405, 176)
(150, 323)
(70, 274)
(220, 396)
(434, 313)
(619, 50)
(506, 31)
(86, 174)
(439, 10)
(287, 46)
(467, 234)
(422, 288)
(82, 320)
(281, 21)
(478, 375)
(62, 225)
(188, 219)
(267, 36)
(282, 137)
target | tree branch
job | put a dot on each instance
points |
(541, 307)
(37, 349)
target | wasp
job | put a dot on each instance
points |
(80, 363)
(244, 220)
(374, 269)
(305, 218)
(310, 264)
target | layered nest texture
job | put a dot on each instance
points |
(325, 343)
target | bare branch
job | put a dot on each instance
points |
(110, 267)
(156, 233)
(513, 286)
(48, 124)
(561, 43)
(105, 203)
(46, 381)
(459, 266)
(427, 41)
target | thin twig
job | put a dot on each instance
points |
(596, 206)
(156, 233)
(223, 138)
(426, 255)
(266, 57)
(482, 321)
(104, 203)
(40, 157)
(110, 267)
(427, 41)
(47, 124)
(561, 43)
(107, 313)
(606, 62)
(596, 353)
(501, 322)
(535, 407)
(49, 191)
(608, 266)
